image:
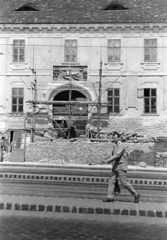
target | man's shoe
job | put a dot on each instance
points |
(108, 200)
(137, 197)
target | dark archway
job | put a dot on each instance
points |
(64, 96)
(76, 114)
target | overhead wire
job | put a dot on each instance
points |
(80, 46)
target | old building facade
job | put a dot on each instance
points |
(61, 45)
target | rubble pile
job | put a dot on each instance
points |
(67, 152)
(84, 151)
(161, 159)
(127, 136)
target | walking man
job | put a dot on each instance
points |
(119, 169)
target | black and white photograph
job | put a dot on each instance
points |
(83, 119)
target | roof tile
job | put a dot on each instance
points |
(83, 11)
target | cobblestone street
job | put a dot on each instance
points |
(66, 227)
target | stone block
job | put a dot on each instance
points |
(58, 208)
(49, 208)
(24, 207)
(33, 207)
(83, 210)
(125, 212)
(99, 210)
(117, 211)
(66, 209)
(41, 208)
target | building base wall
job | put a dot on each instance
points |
(147, 126)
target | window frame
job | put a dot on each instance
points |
(18, 48)
(114, 97)
(17, 96)
(150, 48)
(70, 50)
(115, 48)
(149, 98)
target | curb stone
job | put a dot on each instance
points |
(81, 210)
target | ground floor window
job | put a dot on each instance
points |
(17, 100)
(150, 100)
(113, 100)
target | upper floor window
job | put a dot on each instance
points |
(114, 50)
(70, 50)
(18, 50)
(150, 50)
(17, 100)
(150, 100)
(114, 100)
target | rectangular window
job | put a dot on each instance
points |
(18, 50)
(114, 50)
(17, 100)
(150, 100)
(150, 50)
(70, 50)
(113, 100)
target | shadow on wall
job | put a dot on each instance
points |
(137, 156)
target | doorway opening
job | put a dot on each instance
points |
(73, 117)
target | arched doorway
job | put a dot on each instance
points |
(70, 116)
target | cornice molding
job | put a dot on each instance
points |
(84, 28)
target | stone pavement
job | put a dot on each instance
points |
(63, 226)
(67, 226)
(82, 206)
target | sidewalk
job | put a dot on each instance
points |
(82, 206)
(79, 166)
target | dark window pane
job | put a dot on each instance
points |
(147, 58)
(67, 58)
(146, 109)
(110, 109)
(153, 109)
(20, 100)
(15, 58)
(20, 108)
(153, 92)
(15, 51)
(110, 92)
(21, 58)
(116, 101)
(110, 100)
(153, 101)
(73, 58)
(14, 100)
(146, 101)
(21, 51)
(116, 108)
(146, 92)
(116, 91)
(14, 108)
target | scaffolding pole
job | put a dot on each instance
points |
(34, 90)
(99, 101)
